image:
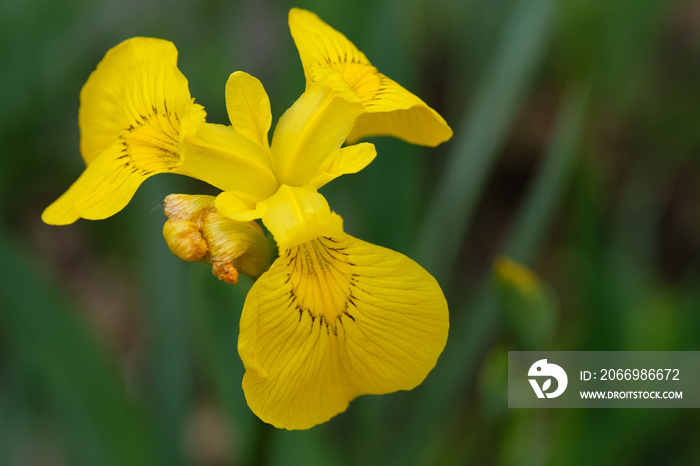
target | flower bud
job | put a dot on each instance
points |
(195, 231)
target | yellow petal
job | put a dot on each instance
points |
(248, 107)
(103, 189)
(237, 205)
(334, 319)
(347, 160)
(319, 44)
(136, 92)
(184, 239)
(310, 132)
(390, 110)
(223, 157)
(298, 214)
(135, 110)
(394, 111)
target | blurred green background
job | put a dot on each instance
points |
(576, 153)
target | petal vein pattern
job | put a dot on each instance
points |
(389, 109)
(333, 319)
(135, 110)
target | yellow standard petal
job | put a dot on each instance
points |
(236, 158)
(333, 319)
(389, 109)
(195, 231)
(311, 131)
(248, 107)
(135, 110)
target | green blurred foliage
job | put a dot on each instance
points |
(527, 307)
(575, 153)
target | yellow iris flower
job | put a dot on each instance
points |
(333, 317)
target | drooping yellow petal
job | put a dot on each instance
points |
(135, 111)
(333, 319)
(103, 189)
(225, 158)
(350, 159)
(389, 109)
(298, 214)
(248, 107)
(310, 132)
(321, 45)
(136, 93)
(394, 111)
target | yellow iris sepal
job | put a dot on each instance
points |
(135, 109)
(389, 109)
(136, 116)
(332, 319)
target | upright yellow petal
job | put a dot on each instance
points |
(310, 132)
(390, 109)
(248, 107)
(333, 319)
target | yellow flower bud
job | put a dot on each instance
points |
(185, 240)
(195, 231)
